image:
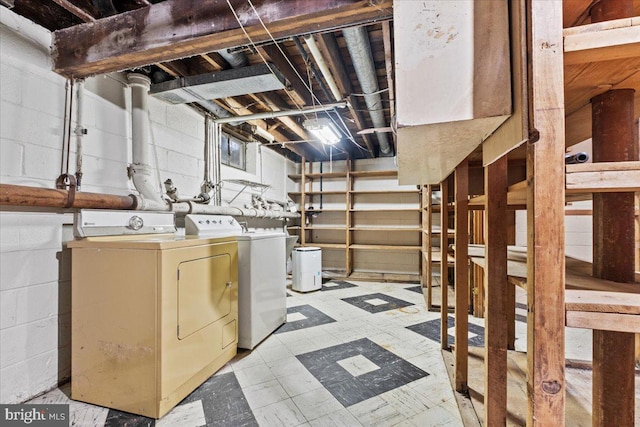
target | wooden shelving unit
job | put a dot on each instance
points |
(354, 227)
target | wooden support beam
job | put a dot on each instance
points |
(545, 217)
(175, 29)
(349, 221)
(461, 275)
(444, 266)
(299, 87)
(77, 11)
(614, 140)
(511, 290)
(496, 329)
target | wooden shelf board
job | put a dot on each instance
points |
(327, 245)
(385, 247)
(603, 177)
(317, 193)
(370, 276)
(325, 228)
(385, 192)
(370, 174)
(385, 210)
(324, 175)
(394, 229)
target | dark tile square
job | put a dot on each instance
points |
(521, 306)
(431, 330)
(223, 402)
(334, 285)
(389, 372)
(314, 317)
(416, 289)
(117, 418)
(391, 302)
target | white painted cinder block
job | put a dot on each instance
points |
(34, 268)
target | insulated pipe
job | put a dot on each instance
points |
(140, 130)
(196, 208)
(312, 67)
(359, 48)
(322, 65)
(23, 196)
(80, 131)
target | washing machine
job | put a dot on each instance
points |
(262, 295)
(153, 314)
(307, 269)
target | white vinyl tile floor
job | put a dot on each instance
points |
(352, 354)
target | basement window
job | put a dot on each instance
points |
(233, 152)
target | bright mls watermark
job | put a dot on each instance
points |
(34, 415)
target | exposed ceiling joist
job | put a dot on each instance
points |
(79, 12)
(178, 28)
(299, 87)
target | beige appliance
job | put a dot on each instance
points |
(153, 315)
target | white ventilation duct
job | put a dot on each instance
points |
(357, 40)
(139, 170)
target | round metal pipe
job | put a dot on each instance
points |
(324, 68)
(24, 196)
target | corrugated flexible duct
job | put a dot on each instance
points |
(357, 41)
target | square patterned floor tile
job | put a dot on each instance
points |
(312, 317)
(371, 302)
(392, 371)
(337, 284)
(431, 330)
(416, 289)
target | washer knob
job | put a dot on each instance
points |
(135, 223)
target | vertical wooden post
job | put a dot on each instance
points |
(497, 291)
(444, 267)
(349, 222)
(303, 201)
(429, 254)
(461, 275)
(511, 289)
(478, 272)
(613, 258)
(545, 216)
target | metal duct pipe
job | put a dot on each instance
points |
(324, 69)
(235, 59)
(23, 196)
(357, 41)
(140, 170)
(572, 159)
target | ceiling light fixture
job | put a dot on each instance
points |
(323, 129)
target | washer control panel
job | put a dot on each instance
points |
(211, 225)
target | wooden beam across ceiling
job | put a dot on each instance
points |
(175, 29)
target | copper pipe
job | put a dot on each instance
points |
(20, 195)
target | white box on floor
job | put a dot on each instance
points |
(307, 269)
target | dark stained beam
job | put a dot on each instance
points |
(293, 75)
(179, 28)
(77, 11)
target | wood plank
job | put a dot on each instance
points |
(545, 219)
(496, 331)
(604, 322)
(428, 270)
(515, 130)
(602, 41)
(444, 268)
(603, 302)
(175, 29)
(603, 177)
(349, 220)
(461, 276)
(386, 247)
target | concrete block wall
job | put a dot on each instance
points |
(35, 267)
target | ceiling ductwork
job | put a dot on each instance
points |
(223, 84)
(357, 40)
(237, 59)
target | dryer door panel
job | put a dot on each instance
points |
(203, 293)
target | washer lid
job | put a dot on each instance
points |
(306, 248)
(258, 236)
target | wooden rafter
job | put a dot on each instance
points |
(77, 11)
(176, 29)
(299, 90)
